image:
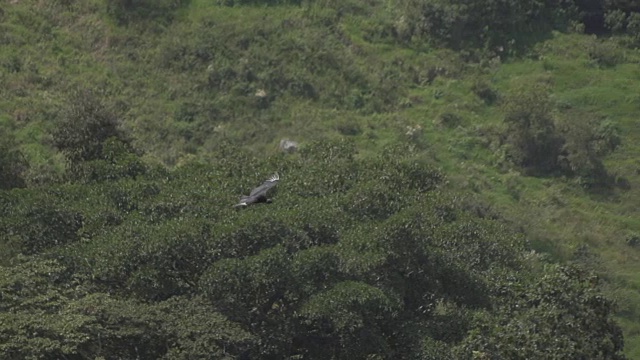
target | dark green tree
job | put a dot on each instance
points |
(46, 312)
(468, 24)
(531, 135)
(12, 164)
(86, 122)
(562, 314)
(128, 11)
(88, 133)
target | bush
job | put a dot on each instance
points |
(449, 120)
(118, 161)
(47, 227)
(605, 53)
(85, 123)
(633, 26)
(88, 130)
(12, 164)
(126, 11)
(616, 21)
(257, 2)
(599, 16)
(532, 139)
(633, 240)
(585, 140)
(373, 200)
(474, 24)
(349, 127)
(571, 145)
(484, 91)
(566, 303)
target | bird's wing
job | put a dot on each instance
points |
(268, 184)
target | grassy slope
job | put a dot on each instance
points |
(45, 55)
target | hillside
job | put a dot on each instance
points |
(129, 128)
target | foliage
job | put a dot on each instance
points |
(12, 164)
(127, 11)
(585, 141)
(85, 124)
(117, 160)
(531, 133)
(605, 54)
(257, 2)
(152, 266)
(544, 322)
(464, 24)
(541, 142)
(485, 92)
(92, 141)
(47, 314)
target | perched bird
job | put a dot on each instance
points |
(259, 194)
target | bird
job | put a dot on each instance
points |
(259, 194)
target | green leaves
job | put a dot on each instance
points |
(464, 24)
(351, 316)
(355, 257)
(131, 11)
(560, 315)
(253, 283)
(531, 133)
(12, 163)
(350, 305)
(570, 143)
(46, 314)
(86, 122)
(34, 321)
(372, 200)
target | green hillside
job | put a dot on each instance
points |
(466, 184)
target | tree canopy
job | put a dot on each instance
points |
(347, 261)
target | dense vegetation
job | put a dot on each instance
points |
(356, 258)
(464, 188)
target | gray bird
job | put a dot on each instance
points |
(259, 194)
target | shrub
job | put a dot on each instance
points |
(85, 123)
(374, 200)
(484, 91)
(126, 11)
(605, 53)
(633, 27)
(46, 227)
(531, 135)
(118, 161)
(12, 164)
(571, 145)
(88, 131)
(616, 21)
(257, 2)
(449, 120)
(633, 240)
(473, 24)
(585, 140)
(349, 127)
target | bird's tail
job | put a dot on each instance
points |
(243, 201)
